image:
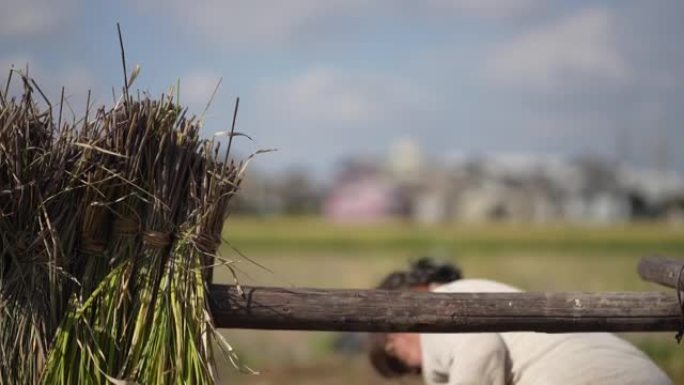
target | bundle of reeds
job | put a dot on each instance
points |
(108, 225)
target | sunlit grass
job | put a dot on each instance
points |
(309, 252)
(310, 234)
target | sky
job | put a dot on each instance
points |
(324, 80)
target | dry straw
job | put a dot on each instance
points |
(107, 228)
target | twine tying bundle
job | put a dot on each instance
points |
(126, 227)
(207, 244)
(156, 239)
(91, 245)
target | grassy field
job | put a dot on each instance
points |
(310, 252)
(311, 235)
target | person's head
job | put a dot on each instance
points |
(397, 354)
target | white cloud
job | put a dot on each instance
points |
(224, 23)
(578, 47)
(332, 97)
(76, 79)
(321, 114)
(322, 94)
(484, 8)
(29, 18)
(18, 61)
(250, 21)
(196, 89)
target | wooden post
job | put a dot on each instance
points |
(661, 270)
(409, 311)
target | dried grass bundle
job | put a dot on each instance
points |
(107, 227)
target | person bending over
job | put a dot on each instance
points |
(516, 358)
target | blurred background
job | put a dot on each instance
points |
(533, 142)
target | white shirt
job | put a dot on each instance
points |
(526, 358)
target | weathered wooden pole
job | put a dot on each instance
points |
(409, 311)
(662, 270)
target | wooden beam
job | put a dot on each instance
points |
(661, 270)
(409, 311)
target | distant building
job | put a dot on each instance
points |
(431, 207)
(364, 200)
(500, 188)
(362, 192)
(405, 160)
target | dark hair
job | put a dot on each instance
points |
(423, 272)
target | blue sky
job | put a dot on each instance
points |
(321, 80)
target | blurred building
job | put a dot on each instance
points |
(464, 188)
(363, 191)
(292, 192)
(500, 188)
(405, 160)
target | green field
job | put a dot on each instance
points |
(310, 252)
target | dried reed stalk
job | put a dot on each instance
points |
(107, 227)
